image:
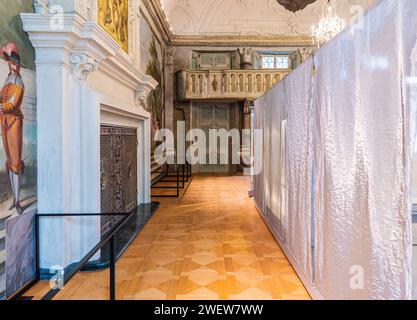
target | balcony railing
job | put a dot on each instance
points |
(226, 84)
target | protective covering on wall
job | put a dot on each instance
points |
(336, 180)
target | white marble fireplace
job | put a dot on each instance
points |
(84, 80)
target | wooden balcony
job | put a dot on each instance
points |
(226, 84)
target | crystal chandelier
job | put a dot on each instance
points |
(330, 24)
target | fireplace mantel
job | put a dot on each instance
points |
(81, 37)
(84, 79)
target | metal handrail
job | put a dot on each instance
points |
(182, 176)
(107, 237)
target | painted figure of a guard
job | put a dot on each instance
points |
(11, 119)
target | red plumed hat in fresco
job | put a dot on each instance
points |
(10, 53)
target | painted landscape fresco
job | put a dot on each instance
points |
(151, 53)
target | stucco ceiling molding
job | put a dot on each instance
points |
(251, 17)
(247, 40)
(187, 20)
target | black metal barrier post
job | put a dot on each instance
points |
(112, 270)
(179, 178)
(107, 237)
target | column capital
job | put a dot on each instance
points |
(169, 55)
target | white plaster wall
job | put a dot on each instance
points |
(101, 82)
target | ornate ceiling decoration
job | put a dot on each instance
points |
(254, 18)
(295, 5)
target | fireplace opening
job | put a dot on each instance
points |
(118, 166)
(119, 191)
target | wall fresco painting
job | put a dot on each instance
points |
(151, 53)
(11, 121)
(11, 30)
(18, 157)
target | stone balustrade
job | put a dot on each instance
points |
(226, 84)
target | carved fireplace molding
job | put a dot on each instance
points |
(82, 65)
(87, 43)
(84, 80)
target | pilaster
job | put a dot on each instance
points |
(169, 87)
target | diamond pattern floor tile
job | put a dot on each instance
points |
(209, 244)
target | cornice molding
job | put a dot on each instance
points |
(231, 40)
(159, 18)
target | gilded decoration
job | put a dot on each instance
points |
(113, 16)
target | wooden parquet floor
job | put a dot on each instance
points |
(209, 244)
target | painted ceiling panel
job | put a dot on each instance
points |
(251, 17)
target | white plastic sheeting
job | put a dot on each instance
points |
(335, 186)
